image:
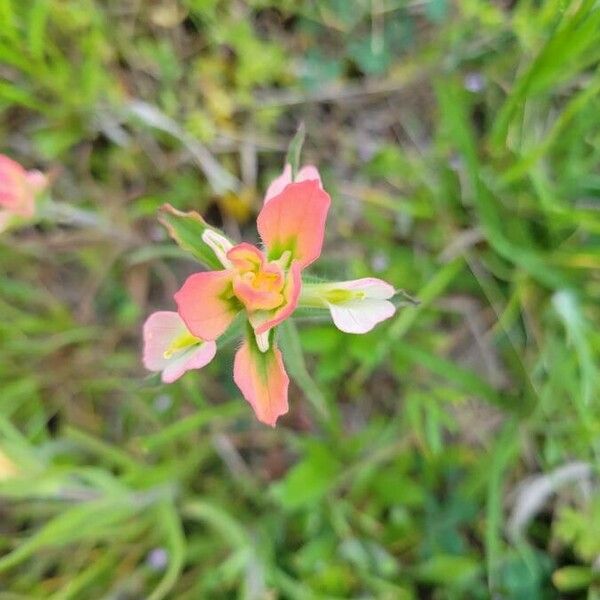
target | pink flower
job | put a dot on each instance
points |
(171, 349)
(18, 190)
(265, 285)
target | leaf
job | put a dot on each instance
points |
(309, 480)
(372, 59)
(454, 105)
(572, 578)
(448, 570)
(175, 542)
(295, 150)
(230, 529)
(87, 522)
(294, 362)
(186, 228)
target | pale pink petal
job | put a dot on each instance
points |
(263, 321)
(206, 304)
(308, 173)
(262, 380)
(160, 329)
(360, 316)
(278, 184)
(195, 358)
(295, 221)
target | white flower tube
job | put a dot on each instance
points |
(355, 306)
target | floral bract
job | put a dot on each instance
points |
(18, 190)
(265, 286)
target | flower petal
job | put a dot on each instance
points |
(356, 306)
(370, 286)
(308, 173)
(262, 380)
(245, 257)
(161, 330)
(195, 358)
(15, 194)
(206, 304)
(295, 221)
(255, 298)
(262, 320)
(278, 184)
(360, 316)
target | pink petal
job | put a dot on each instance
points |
(278, 184)
(160, 329)
(308, 173)
(206, 305)
(256, 299)
(14, 193)
(196, 358)
(262, 380)
(263, 321)
(295, 221)
(360, 316)
(245, 257)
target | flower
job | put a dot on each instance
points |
(18, 190)
(171, 349)
(265, 286)
(355, 306)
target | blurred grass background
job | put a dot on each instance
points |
(451, 453)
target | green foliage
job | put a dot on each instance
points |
(186, 229)
(460, 143)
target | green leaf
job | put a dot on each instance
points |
(175, 542)
(229, 528)
(309, 480)
(295, 149)
(186, 228)
(447, 569)
(87, 522)
(572, 578)
(294, 361)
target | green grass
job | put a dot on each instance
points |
(460, 142)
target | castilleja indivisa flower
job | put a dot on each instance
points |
(18, 191)
(265, 285)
